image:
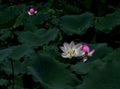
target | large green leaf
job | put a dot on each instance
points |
(5, 34)
(16, 87)
(18, 83)
(106, 78)
(81, 68)
(85, 68)
(108, 22)
(20, 20)
(78, 24)
(30, 27)
(18, 67)
(101, 50)
(20, 51)
(38, 19)
(15, 52)
(9, 15)
(51, 73)
(4, 54)
(113, 56)
(38, 38)
(3, 82)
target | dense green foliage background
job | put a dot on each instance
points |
(30, 57)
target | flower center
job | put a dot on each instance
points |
(70, 52)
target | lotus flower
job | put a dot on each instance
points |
(71, 50)
(32, 11)
(86, 51)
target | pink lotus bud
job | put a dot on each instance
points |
(85, 48)
(87, 52)
(32, 11)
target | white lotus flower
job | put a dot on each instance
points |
(71, 50)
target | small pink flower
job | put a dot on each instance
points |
(87, 52)
(32, 11)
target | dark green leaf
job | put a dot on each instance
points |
(20, 20)
(19, 67)
(85, 68)
(113, 56)
(38, 19)
(3, 82)
(20, 51)
(108, 22)
(52, 74)
(9, 15)
(81, 68)
(41, 37)
(16, 87)
(4, 34)
(101, 50)
(106, 77)
(78, 24)
(4, 54)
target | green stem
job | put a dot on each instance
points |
(12, 65)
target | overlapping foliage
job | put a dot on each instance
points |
(30, 57)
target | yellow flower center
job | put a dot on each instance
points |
(70, 52)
